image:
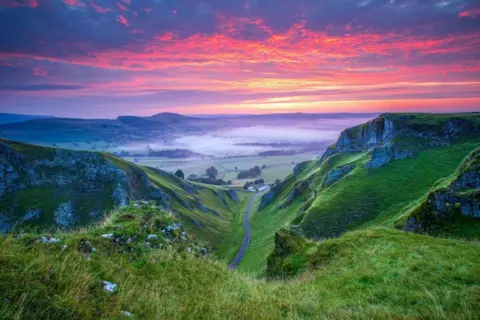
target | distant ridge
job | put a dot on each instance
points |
(14, 117)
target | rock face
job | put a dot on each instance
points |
(396, 136)
(65, 188)
(301, 188)
(233, 194)
(461, 197)
(288, 242)
(337, 174)
(267, 198)
(386, 154)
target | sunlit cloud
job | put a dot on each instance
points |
(247, 58)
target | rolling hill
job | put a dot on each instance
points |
(91, 133)
(367, 178)
(48, 188)
(331, 239)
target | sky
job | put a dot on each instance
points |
(102, 59)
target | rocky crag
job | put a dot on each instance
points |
(398, 136)
(444, 207)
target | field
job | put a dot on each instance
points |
(278, 167)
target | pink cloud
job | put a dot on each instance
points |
(40, 71)
(121, 19)
(121, 7)
(74, 3)
(99, 9)
(18, 3)
(471, 13)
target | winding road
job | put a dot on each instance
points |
(246, 237)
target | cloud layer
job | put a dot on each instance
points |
(92, 58)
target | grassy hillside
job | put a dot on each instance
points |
(368, 178)
(452, 207)
(42, 187)
(371, 274)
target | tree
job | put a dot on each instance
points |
(179, 173)
(212, 172)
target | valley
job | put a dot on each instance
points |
(390, 209)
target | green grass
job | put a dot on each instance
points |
(210, 226)
(233, 240)
(454, 223)
(381, 195)
(263, 225)
(378, 196)
(370, 274)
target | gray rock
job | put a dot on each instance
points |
(64, 215)
(109, 286)
(48, 240)
(233, 194)
(267, 198)
(33, 214)
(412, 225)
(197, 223)
(337, 173)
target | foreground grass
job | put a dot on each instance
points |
(370, 274)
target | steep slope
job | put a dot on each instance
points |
(367, 178)
(58, 188)
(452, 209)
(140, 266)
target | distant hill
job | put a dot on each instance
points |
(60, 130)
(13, 117)
(132, 129)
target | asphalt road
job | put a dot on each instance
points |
(246, 238)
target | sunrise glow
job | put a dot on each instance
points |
(106, 59)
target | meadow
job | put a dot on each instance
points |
(278, 167)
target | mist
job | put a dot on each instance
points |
(296, 135)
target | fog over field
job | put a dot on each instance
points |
(251, 140)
